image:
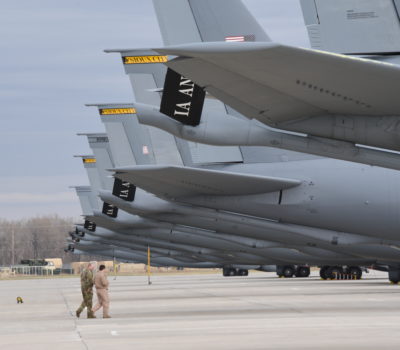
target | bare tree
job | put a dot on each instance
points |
(35, 238)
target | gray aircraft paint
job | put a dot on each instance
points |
(194, 21)
(341, 25)
(292, 94)
(279, 256)
(107, 222)
(132, 143)
(187, 21)
(224, 245)
(368, 129)
(245, 256)
(233, 19)
(253, 133)
(197, 152)
(125, 128)
(291, 236)
(99, 144)
(294, 257)
(87, 199)
(133, 256)
(95, 181)
(326, 198)
(145, 92)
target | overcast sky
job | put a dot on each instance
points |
(52, 63)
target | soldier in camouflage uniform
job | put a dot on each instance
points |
(87, 282)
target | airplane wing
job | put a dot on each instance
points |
(174, 181)
(277, 84)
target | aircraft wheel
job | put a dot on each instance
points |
(355, 272)
(279, 270)
(303, 271)
(225, 272)
(233, 272)
(288, 271)
(242, 272)
(394, 276)
(333, 272)
(322, 272)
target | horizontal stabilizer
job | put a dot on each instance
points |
(275, 83)
(174, 181)
(367, 27)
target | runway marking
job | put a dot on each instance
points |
(77, 331)
(114, 333)
(374, 299)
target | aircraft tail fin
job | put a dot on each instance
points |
(364, 27)
(130, 142)
(100, 146)
(187, 21)
(87, 199)
(89, 163)
(147, 73)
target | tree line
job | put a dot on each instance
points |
(36, 238)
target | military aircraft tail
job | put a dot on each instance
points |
(129, 141)
(89, 163)
(364, 27)
(188, 21)
(89, 202)
(102, 161)
(147, 74)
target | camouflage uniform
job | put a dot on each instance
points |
(87, 293)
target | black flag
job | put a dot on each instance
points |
(182, 99)
(124, 190)
(110, 210)
(90, 226)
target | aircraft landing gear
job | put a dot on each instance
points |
(355, 272)
(302, 271)
(230, 272)
(338, 272)
(242, 272)
(322, 272)
(289, 271)
(394, 276)
(333, 272)
(286, 271)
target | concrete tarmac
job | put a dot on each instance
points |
(205, 312)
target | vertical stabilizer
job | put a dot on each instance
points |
(185, 21)
(147, 75)
(101, 149)
(90, 165)
(129, 141)
(89, 202)
(363, 27)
